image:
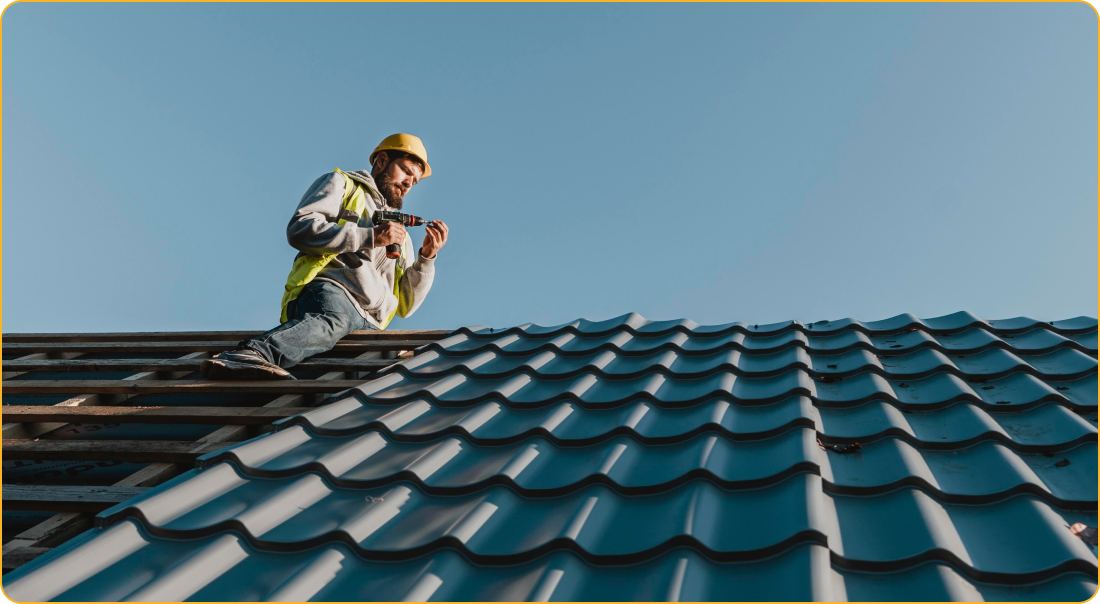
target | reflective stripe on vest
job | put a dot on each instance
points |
(306, 267)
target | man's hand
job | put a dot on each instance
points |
(388, 232)
(434, 239)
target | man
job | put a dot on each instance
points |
(342, 280)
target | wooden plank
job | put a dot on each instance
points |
(192, 346)
(136, 451)
(38, 356)
(55, 531)
(172, 336)
(176, 386)
(20, 556)
(219, 416)
(66, 498)
(315, 364)
(87, 399)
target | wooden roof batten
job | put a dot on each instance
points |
(101, 401)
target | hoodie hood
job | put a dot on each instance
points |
(364, 178)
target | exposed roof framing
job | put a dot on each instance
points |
(101, 401)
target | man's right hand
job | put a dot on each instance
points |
(388, 232)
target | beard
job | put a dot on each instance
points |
(390, 192)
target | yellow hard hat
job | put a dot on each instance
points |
(409, 144)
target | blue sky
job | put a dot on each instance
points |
(720, 162)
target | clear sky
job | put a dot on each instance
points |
(719, 162)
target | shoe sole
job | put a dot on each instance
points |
(216, 369)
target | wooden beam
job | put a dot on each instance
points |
(65, 498)
(192, 346)
(176, 386)
(20, 556)
(174, 336)
(136, 451)
(315, 364)
(55, 531)
(88, 399)
(30, 358)
(219, 416)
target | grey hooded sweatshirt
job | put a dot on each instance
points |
(360, 269)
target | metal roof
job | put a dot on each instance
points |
(902, 459)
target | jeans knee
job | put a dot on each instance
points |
(344, 324)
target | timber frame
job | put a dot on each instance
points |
(94, 401)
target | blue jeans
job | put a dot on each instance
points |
(318, 318)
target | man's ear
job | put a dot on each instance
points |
(380, 162)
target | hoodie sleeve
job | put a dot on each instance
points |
(314, 230)
(415, 284)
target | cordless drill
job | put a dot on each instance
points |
(393, 250)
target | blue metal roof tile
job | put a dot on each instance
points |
(974, 473)
(334, 573)
(568, 343)
(452, 464)
(900, 459)
(1043, 426)
(955, 322)
(1086, 341)
(990, 362)
(494, 525)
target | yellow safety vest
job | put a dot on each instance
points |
(306, 267)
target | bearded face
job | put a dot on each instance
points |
(390, 189)
(395, 178)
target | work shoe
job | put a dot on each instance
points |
(242, 364)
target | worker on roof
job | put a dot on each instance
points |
(342, 279)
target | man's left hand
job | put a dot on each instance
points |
(434, 239)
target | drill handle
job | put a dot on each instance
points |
(393, 250)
